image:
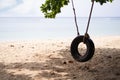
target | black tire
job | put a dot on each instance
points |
(89, 52)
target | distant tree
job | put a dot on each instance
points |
(52, 7)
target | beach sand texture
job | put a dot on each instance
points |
(52, 60)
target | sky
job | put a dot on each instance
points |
(31, 8)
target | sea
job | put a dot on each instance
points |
(35, 28)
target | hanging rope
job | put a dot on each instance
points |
(86, 33)
(75, 18)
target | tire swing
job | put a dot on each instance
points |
(82, 39)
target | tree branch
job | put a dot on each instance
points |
(52, 7)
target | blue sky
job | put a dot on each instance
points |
(31, 8)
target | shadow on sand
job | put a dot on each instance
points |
(105, 65)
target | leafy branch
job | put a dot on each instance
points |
(52, 7)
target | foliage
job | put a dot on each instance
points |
(103, 1)
(51, 7)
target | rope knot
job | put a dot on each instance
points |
(86, 36)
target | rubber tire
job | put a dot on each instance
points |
(89, 52)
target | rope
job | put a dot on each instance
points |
(86, 33)
(75, 18)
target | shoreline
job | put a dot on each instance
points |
(58, 38)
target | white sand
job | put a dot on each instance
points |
(52, 60)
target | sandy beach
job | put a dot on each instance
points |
(52, 60)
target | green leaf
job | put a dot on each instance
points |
(52, 7)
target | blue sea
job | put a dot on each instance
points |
(34, 28)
